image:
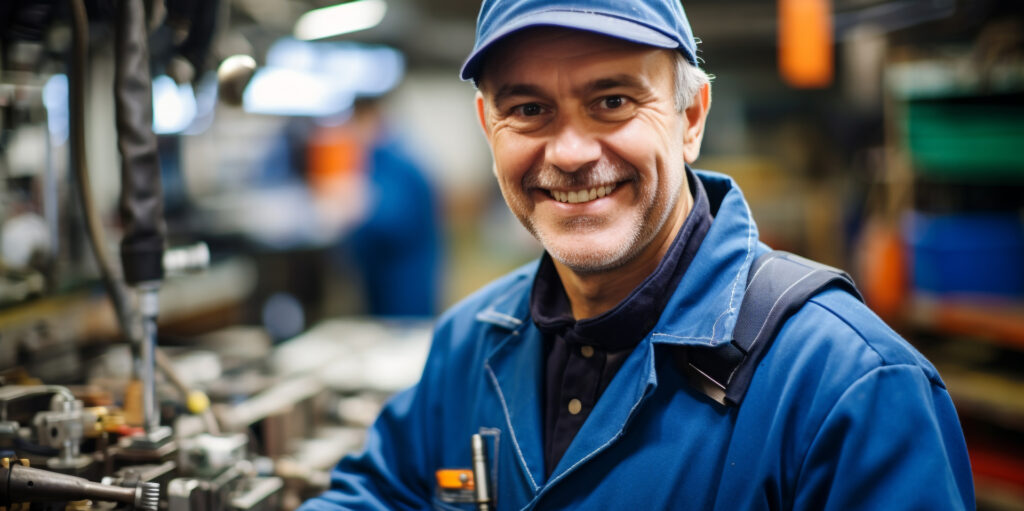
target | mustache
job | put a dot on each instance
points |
(589, 176)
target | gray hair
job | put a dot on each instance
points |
(689, 80)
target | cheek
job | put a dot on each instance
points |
(638, 147)
(513, 157)
(649, 144)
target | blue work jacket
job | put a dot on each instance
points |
(841, 414)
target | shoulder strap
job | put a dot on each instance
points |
(778, 285)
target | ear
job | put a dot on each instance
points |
(481, 114)
(696, 115)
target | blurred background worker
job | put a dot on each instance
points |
(396, 245)
(360, 189)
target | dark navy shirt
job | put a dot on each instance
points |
(583, 356)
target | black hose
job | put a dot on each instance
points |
(76, 104)
(142, 247)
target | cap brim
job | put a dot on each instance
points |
(590, 21)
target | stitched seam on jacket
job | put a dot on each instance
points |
(745, 265)
(860, 335)
(508, 421)
(688, 338)
(732, 294)
(491, 305)
(498, 318)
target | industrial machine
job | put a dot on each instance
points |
(93, 414)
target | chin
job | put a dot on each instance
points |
(588, 256)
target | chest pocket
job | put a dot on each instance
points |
(457, 488)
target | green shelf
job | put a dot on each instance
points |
(966, 140)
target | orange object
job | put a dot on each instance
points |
(806, 43)
(333, 153)
(455, 479)
(133, 414)
(883, 276)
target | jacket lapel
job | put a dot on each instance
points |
(635, 380)
(514, 369)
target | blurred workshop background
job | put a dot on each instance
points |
(326, 192)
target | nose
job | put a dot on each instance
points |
(571, 147)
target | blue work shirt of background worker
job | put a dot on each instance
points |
(851, 416)
(397, 246)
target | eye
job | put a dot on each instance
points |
(612, 102)
(614, 108)
(528, 110)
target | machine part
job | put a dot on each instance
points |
(76, 114)
(149, 306)
(234, 493)
(208, 455)
(63, 428)
(189, 259)
(11, 393)
(257, 494)
(141, 205)
(131, 476)
(180, 494)
(25, 240)
(149, 444)
(206, 494)
(24, 484)
(142, 246)
(196, 401)
(233, 75)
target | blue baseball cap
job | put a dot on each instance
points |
(659, 23)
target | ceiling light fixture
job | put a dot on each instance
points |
(340, 19)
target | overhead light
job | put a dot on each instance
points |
(174, 106)
(340, 19)
(278, 91)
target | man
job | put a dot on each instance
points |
(569, 368)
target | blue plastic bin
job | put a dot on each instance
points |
(979, 253)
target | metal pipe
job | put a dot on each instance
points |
(80, 163)
(142, 246)
(25, 484)
(149, 306)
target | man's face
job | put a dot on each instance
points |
(588, 145)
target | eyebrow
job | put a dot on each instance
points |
(609, 82)
(516, 89)
(613, 82)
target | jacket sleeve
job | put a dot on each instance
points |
(892, 441)
(393, 471)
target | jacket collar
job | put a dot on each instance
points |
(703, 307)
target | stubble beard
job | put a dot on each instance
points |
(588, 260)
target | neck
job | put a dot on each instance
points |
(592, 294)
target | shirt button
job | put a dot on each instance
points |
(575, 406)
(587, 351)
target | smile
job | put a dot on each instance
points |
(578, 196)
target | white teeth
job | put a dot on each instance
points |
(578, 196)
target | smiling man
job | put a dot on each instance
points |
(618, 371)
